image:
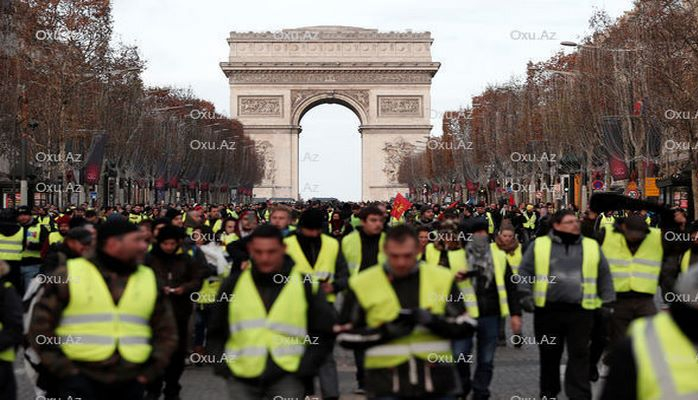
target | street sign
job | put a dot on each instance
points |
(634, 194)
(651, 189)
(597, 185)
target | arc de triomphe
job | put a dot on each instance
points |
(383, 77)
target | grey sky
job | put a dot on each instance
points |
(477, 42)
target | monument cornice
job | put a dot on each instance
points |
(323, 34)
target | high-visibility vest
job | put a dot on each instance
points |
(530, 221)
(9, 353)
(255, 334)
(216, 225)
(490, 223)
(378, 299)
(637, 272)
(686, 261)
(11, 246)
(324, 267)
(607, 220)
(92, 327)
(135, 218)
(648, 220)
(228, 238)
(665, 359)
(209, 289)
(591, 255)
(458, 262)
(32, 236)
(514, 259)
(351, 249)
(45, 220)
(355, 221)
(55, 237)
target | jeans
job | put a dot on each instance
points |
(81, 387)
(8, 384)
(201, 316)
(413, 398)
(28, 273)
(486, 333)
(288, 387)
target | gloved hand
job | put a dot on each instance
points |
(401, 326)
(606, 311)
(527, 303)
(422, 316)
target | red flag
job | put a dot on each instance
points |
(400, 205)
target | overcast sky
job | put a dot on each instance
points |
(477, 42)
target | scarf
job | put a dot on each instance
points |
(479, 259)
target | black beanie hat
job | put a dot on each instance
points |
(170, 232)
(116, 227)
(172, 213)
(312, 218)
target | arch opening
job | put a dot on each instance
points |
(329, 151)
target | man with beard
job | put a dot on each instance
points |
(485, 279)
(102, 327)
(564, 280)
(180, 276)
(317, 254)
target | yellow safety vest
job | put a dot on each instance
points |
(637, 272)
(376, 296)
(530, 221)
(92, 327)
(665, 359)
(351, 249)
(514, 259)
(355, 221)
(216, 226)
(226, 239)
(135, 218)
(686, 261)
(255, 333)
(607, 221)
(11, 246)
(209, 289)
(55, 237)
(45, 221)
(591, 255)
(33, 236)
(490, 223)
(9, 353)
(324, 268)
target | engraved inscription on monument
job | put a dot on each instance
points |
(399, 106)
(268, 106)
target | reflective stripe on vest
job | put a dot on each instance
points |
(11, 246)
(324, 267)
(33, 236)
(92, 327)
(9, 353)
(665, 359)
(590, 269)
(379, 301)
(351, 249)
(637, 272)
(255, 334)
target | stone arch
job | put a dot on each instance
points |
(383, 77)
(303, 101)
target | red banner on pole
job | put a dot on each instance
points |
(400, 205)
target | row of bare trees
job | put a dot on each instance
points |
(69, 97)
(623, 106)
